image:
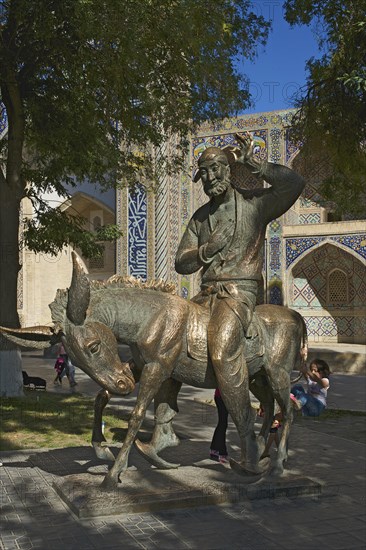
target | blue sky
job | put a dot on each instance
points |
(279, 69)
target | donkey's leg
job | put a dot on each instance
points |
(153, 375)
(261, 390)
(165, 406)
(98, 438)
(281, 391)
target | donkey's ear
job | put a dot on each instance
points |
(39, 337)
(79, 293)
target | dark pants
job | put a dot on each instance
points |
(219, 437)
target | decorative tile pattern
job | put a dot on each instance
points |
(275, 257)
(122, 198)
(309, 280)
(3, 121)
(354, 242)
(328, 327)
(291, 148)
(321, 326)
(275, 296)
(275, 154)
(187, 289)
(161, 229)
(137, 232)
(234, 124)
(306, 202)
(199, 144)
(297, 246)
(291, 217)
(275, 226)
(314, 217)
(312, 196)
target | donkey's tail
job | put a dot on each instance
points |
(304, 349)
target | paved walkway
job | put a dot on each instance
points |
(348, 392)
(34, 517)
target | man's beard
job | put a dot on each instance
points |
(218, 189)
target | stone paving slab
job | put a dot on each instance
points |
(35, 508)
(34, 517)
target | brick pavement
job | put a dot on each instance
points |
(33, 516)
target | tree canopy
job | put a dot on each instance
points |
(90, 87)
(87, 84)
(331, 119)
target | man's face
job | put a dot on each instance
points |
(215, 177)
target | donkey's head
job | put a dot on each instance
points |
(90, 344)
(92, 347)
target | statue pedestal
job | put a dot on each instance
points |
(204, 484)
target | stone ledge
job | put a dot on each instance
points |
(188, 486)
(340, 362)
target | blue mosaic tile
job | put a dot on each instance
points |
(275, 296)
(297, 246)
(355, 242)
(276, 135)
(3, 121)
(275, 255)
(290, 147)
(137, 232)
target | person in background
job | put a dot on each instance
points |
(71, 375)
(59, 368)
(273, 432)
(313, 401)
(218, 450)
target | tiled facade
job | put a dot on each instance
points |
(302, 249)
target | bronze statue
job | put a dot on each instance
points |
(225, 240)
(217, 339)
(167, 337)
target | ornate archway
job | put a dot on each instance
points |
(327, 285)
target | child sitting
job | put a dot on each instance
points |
(314, 401)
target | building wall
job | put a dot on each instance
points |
(42, 274)
(294, 273)
(326, 279)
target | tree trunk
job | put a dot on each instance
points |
(12, 190)
(11, 381)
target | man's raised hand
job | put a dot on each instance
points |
(246, 145)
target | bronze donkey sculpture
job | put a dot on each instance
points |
(166, 335)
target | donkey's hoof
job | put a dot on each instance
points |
(108, 484)
(264, 463)
(276, 471)
(149, 453)
(248, 469)
(103, 453)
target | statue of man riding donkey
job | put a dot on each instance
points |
(217, 339)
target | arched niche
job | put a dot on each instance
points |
(327, 285)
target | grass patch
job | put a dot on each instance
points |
(48, 420)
